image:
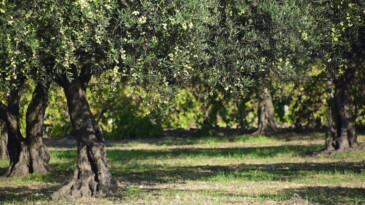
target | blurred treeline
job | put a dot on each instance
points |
(135, 112)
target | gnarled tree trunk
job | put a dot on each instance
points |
(16, 142)
(3, 140)
(341, 132)
(266, 121)
(39, 155)
(92, 176)
(27, 155)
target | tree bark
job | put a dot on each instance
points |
(341, 132)
(27, 155)
(3, 140)
(331, 133)
(266, 121)
(91, 176)
(39, 155)
(17, 148)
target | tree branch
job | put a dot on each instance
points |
(85, 75)
(6, 116)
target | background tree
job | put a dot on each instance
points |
(244, 46)
(309, 100)
(281, 41)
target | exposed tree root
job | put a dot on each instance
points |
(91, 177)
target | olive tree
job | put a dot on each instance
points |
(138, 41)
(251, 44)
(340, 43)
(20, 69)
(74, 44)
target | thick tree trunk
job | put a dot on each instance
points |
(3, 140)
(17, 149)
(92, 176)
(341, 132)
(266, 121)
(28, 155)
(39, 155)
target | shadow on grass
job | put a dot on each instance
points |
(130, 169)
(3, 171)
(221, 135)
(305, 195)
(195, 136)
(27, 195)
(328, 195)
(127, 166)
(142, 154)
(135, 173)
(154, 174)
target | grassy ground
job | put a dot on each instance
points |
(214, 170)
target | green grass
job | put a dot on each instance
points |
(208, 170)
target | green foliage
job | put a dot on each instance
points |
(131, 121)
(125, 111)
(56, 119)
(75, 35)
(243, 44)
(155, 40)
(310, 105)
(142, 53)
(184, 112)
(304, 103)
(18, 46)
(339, 32)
